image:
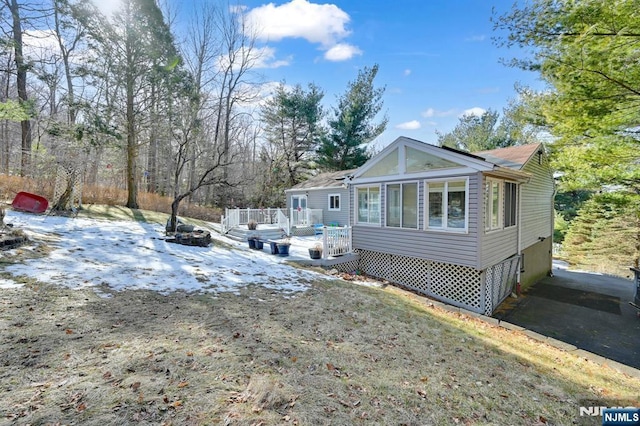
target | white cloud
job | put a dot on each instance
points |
(266, 58)
(409, 125)
(316, 23)
(431, 112)
(407, 72)
(477, 111)
(39, 43)
(342, 52)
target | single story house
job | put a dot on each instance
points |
(462, 228)
(322, 199)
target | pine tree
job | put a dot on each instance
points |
(352, 126)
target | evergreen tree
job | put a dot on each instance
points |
(352, 125)
(603, 237)
(292, 127)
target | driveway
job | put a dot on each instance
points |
(587, 310)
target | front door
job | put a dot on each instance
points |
(299, 209)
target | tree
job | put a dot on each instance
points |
(473, 133)
(291, 120)
(352, 125)
(21, 80)
(137, 51)
(490, 131)
(587, 53)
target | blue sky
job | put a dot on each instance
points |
(436, 57)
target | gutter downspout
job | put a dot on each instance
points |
(519, 271)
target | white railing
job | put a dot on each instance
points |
(224, 224)
(243, 216)
(283, 222)
(305, 217)
(336, 241)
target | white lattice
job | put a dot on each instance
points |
(411, 272)
(499, 282)
(375, 264)
(451, 283)
(350, 266)
(457, 283)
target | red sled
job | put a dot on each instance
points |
(31, 203)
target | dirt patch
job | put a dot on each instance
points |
(338, 353)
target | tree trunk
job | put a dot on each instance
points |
(132, 148)
(21, 81)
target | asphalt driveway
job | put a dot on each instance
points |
(589, 311)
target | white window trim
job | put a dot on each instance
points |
(357, 206)
(517, 194)
(386, 193)
(445, 201)
(488, 223)
(333, 209)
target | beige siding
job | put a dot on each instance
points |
(448, 247)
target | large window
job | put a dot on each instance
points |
(368, 208)
(447, 205)
(334, 202)
(402, 205)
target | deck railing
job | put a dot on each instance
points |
(283, 222)
(305, 217)
(237, 217)
(336, 241)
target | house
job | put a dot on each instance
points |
(462, 228)
(322, 199)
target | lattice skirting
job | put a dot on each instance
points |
(454, 284)
(303, 231)
(499, 282)
(349, 266)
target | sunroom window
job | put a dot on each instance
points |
(368, 208)
(447, 205)
(402, 205)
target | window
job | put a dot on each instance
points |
(368, 208)
(447, 205)
(510, 204)
(493, 204)
(402, 205)
(298, 202)
(501, 204)
(334, 202)
(385, 166)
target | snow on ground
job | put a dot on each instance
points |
(133, 255)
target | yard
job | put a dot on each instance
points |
(102, 322)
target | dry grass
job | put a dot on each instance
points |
(337, 354)
(107, 196)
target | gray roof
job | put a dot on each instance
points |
(325, 180)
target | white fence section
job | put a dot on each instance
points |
(237, 217)
(283, 222)
(305, 217)
(336, 241)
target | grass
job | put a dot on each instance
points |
(340, 353)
